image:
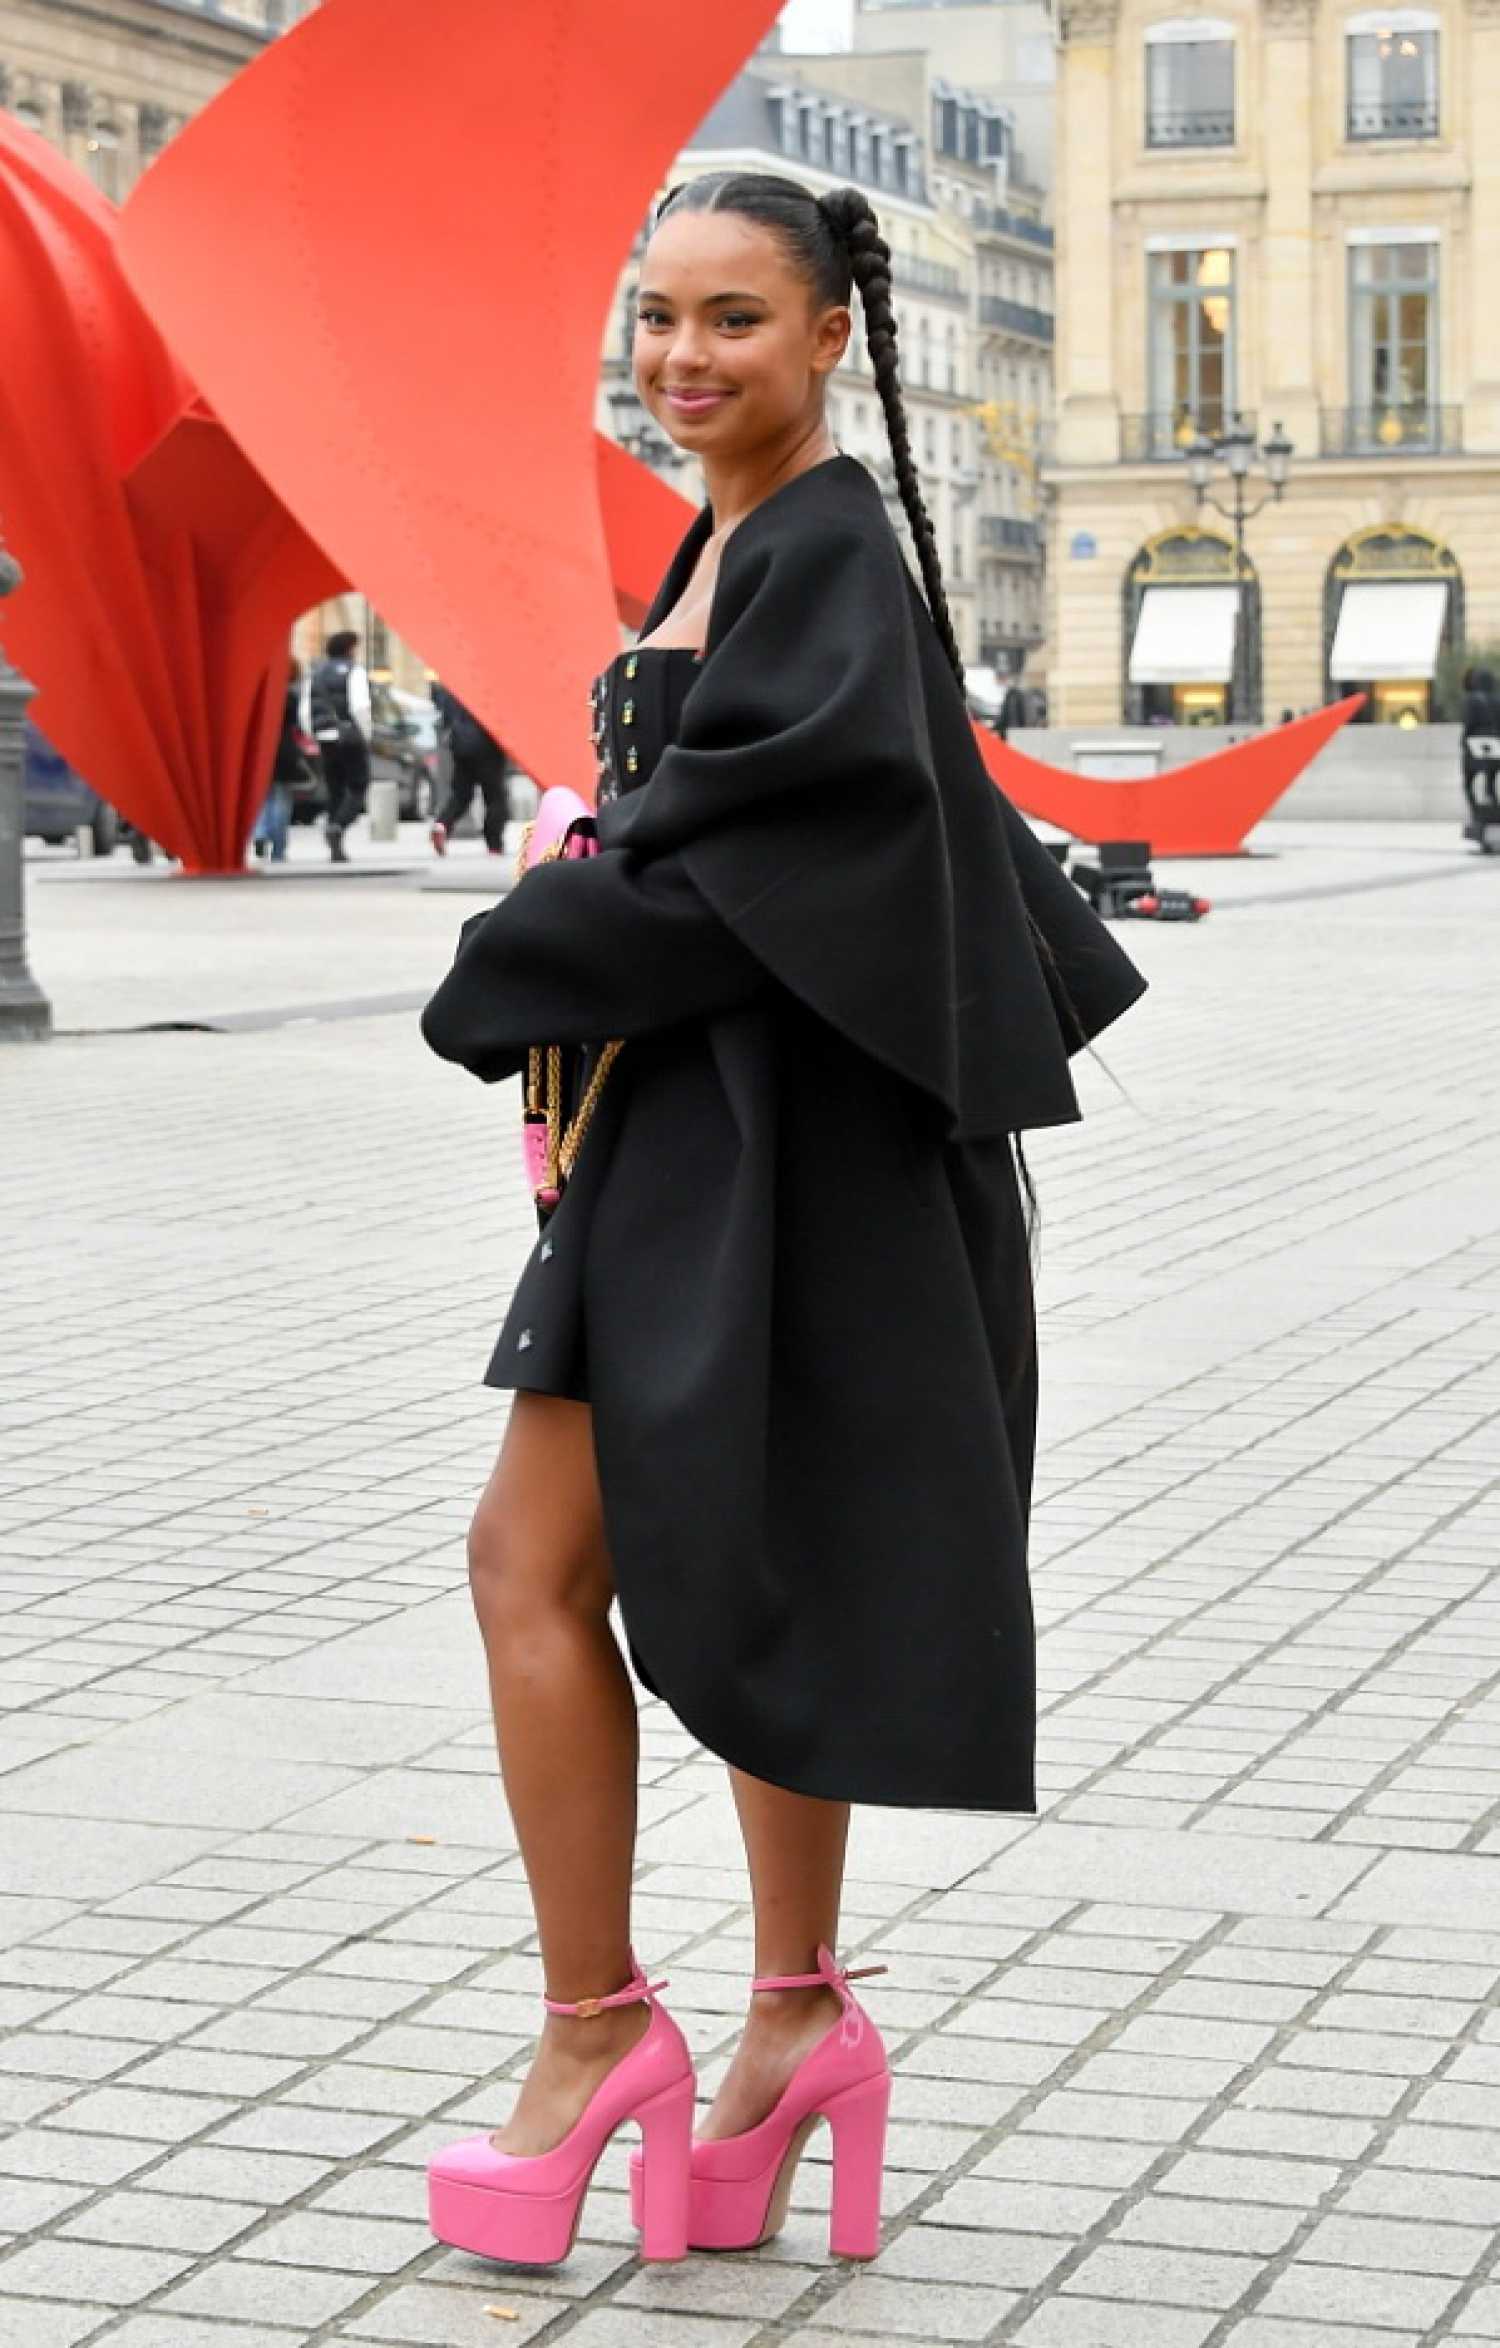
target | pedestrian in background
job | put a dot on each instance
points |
(1481, 726)
(478, 764)
(336, 711)
(290, 766)
(1012, 711)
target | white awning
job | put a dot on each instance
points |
(1184, 636)
(1388, 628)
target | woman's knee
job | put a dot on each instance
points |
(523, 1576)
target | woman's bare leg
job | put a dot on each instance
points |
(565, 1723)
(795, 1846)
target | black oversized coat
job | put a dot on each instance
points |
(847, 974)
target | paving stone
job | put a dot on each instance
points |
(234, 2288)
(172, 2331)
(374, 2246)
(873, 2302)
(1358, 2296)
(422, 2315)
(111, 2275)
(1067, 2323)
(1161, 2276)
(27, 2323)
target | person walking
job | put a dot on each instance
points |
(478, 764)
(772, 1360)
(1481, 731)
(274, 821)
(1012, 712)
(337, 712)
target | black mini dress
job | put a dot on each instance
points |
(542, 1347)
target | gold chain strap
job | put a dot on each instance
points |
(544, 1069)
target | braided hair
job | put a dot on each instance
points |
(835, 242)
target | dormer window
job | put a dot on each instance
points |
(1190, 83)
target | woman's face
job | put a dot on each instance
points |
(731, 353)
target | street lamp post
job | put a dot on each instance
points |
(1236, 446)
(25, 1013)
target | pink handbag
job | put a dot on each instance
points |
(563, 827)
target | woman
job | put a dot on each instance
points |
(772, 1358)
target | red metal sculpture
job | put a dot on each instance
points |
(162, 575)
(426, 404)
(1203, 809)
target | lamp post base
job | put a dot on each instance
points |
(25, 1013)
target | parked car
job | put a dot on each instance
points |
(60, 803)
(404, 749)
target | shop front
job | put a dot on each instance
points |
(1182, 620)
(1394, 600)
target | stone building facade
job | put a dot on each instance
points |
(1284, 212)
(110, 85)
(978, 178)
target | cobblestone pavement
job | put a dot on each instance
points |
(1207, 2056)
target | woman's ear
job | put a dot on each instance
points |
(831, 337)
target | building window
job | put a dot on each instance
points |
(1393, 77)
(956, 445)
(813, 133)
(102, 150)
(929, 441)
(952, 356)
(790, 127)
(838, 143)
(1190, 85)
(862, 167)
(1393, 322)
(924, 353)
(1192, 364)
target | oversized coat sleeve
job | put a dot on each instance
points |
(606, 946)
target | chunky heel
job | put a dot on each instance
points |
(525, 2207)
(741, 2186)
(858, 2122)
(666, 2173)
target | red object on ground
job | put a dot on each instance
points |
(162, 575)
(1203, 809)
(430, 417)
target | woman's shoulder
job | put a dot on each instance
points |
(826, 527)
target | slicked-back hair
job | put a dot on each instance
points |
(834, 241)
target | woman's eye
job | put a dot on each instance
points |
(736, 318)
(651, 317)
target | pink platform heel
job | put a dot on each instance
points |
(741, 2185)
(525, 2207)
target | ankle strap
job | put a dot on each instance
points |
(637, 1987)
(828, 1972)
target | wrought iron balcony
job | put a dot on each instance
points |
(1162, 438)
(1190, 126)
(998, 532)
(1003, 223)
(1016, 317)
(915, 275)
(1394, 118)
(1414, 429)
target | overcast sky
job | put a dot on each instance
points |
(817, 24)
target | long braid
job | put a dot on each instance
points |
(853, 218)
